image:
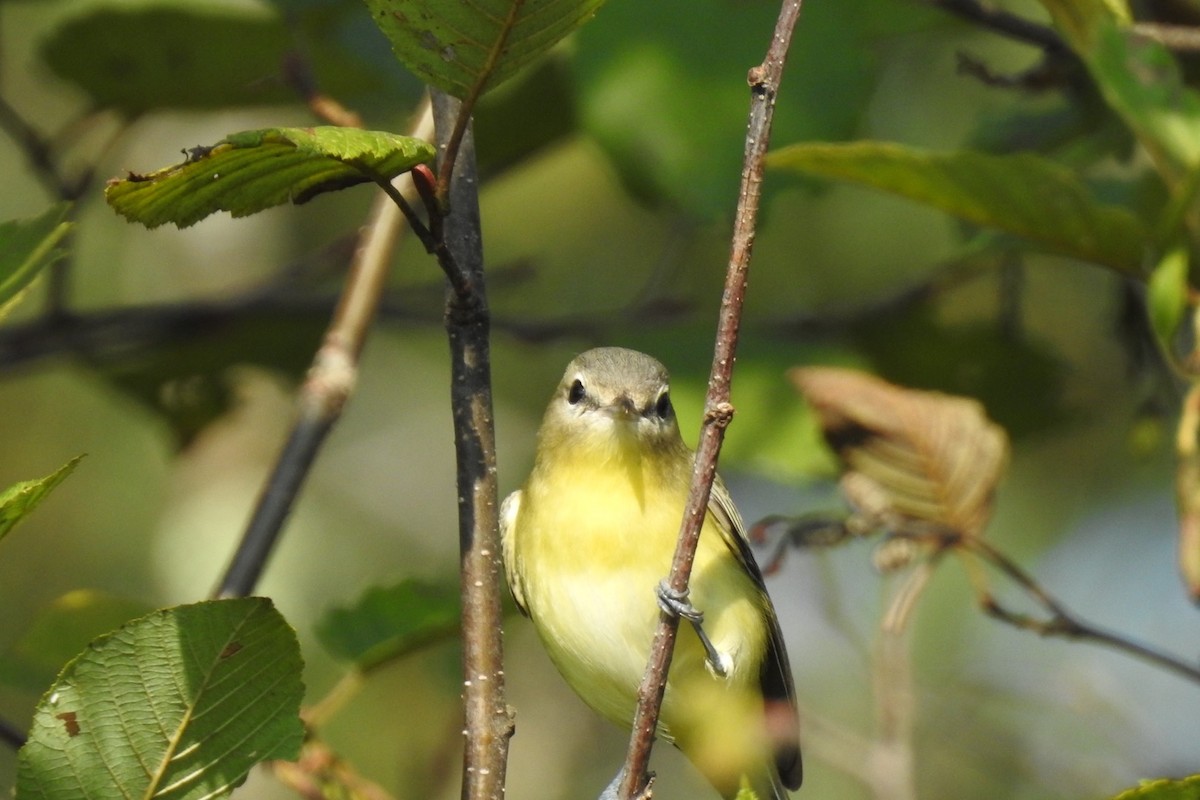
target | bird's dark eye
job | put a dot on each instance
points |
(576, 392)
(663, 407)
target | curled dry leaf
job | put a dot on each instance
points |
(936, 458)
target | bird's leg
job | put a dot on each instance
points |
(676, 604)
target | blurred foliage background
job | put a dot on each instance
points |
(610, 177)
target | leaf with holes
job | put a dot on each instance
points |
(1023, 194)
(178, 705)
(931, 457)
(465, 48)
(252, 170)
(18, 500)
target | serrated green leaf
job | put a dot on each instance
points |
(194, 55)
(1186, 789)
(1167, 294)
(467, 47)
(1141, 80)
(176, 705)
(1021, 194)
(18, 500)
(26, 248)
(249, 171)
(388, 622)
(59, 632)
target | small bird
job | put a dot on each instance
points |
(587, 542)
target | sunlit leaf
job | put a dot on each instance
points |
(388, 622)
(935, 457)
(60, 631)
(462, 47)
(1164, 789)
(177, 704)
(1080, 19)
(26, 248)
(252, 170)
(1021, 194)
(1187, 491)
(18, 500)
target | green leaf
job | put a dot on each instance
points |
(1080, 19)
(18, 500)
(1167, 294)
(676, 68)
(191, 55)
(464, 48)
(178, 704)
(389, 622)
(1141, 80)
(252, 170)
(1020, 194)
(26, 248)
(59, 632)
(1186, 789)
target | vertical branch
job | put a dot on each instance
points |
(326, 389)
(764, 81)
(488, 721)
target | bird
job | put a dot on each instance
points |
(586, 543)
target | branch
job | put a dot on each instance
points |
(326, 389)
(764, 82)
(11, 735)
(1062, 622)
(489, 724)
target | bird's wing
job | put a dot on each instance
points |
(508, 519)
(778, 687)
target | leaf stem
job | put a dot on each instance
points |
(764, 81)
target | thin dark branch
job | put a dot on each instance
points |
(12, 736)
(38, 150)
(1005, 23)
(322, 398)
(764, 81)
(488, 722)
(1060, 621)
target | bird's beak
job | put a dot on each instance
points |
(624, 409)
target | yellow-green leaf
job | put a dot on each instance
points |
(26, 248)
(252, 170)
(18, 500)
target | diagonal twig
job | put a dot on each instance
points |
(764, 81)
(326, 389)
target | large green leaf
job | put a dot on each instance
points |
(388, 622)
(252, 170)
(662, 87)
(178, 704)
(18, 500)
(26, 248)
(192, 55)
(1021, 194)
(467, 47)
(59, 632)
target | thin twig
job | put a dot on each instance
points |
(489, 723)
(1061, 622)
(326, 389)
(1005, 23)
(764, 81)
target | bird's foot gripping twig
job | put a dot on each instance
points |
(676, 604)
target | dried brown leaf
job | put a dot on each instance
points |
(937, 458)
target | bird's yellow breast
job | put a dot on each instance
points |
(591, 541)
